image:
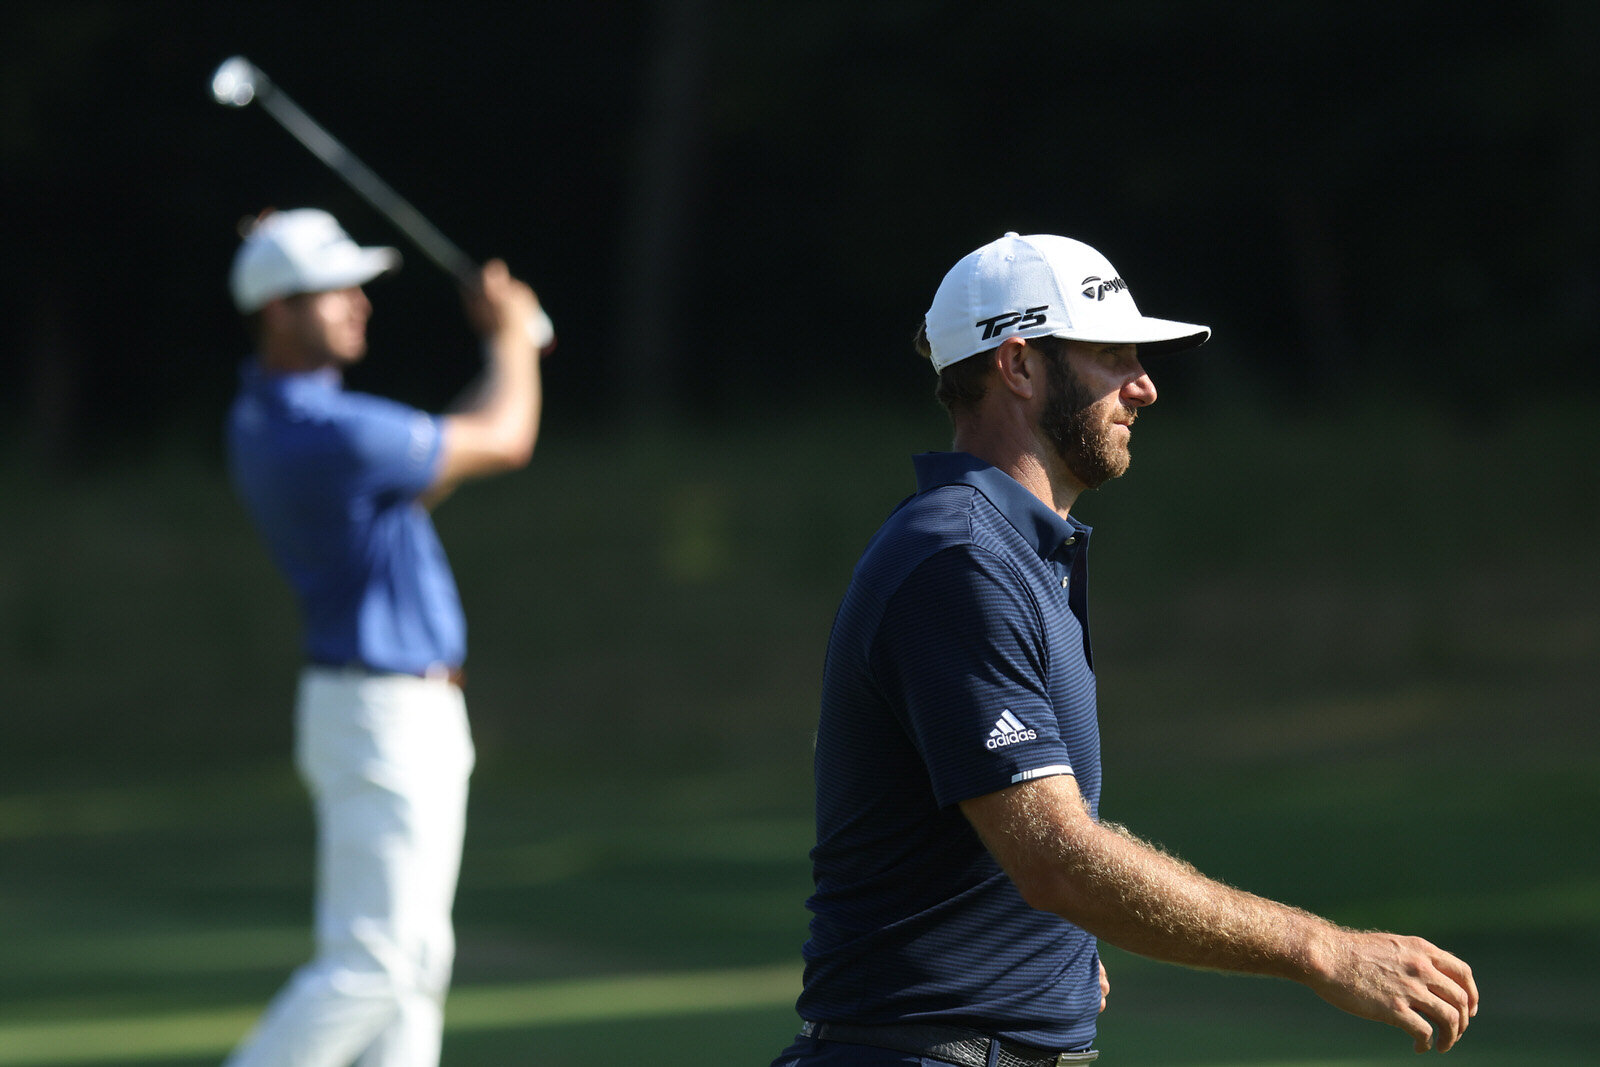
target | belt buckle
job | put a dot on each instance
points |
(1068, 1059)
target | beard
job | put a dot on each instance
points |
(1083, 436)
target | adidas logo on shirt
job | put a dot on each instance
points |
(1008, 730)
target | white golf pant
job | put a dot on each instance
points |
(386, 759)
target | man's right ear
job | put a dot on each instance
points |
(1020, 371)
(272, 311)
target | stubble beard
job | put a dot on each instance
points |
(1083, 437)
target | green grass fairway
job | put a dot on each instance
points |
(526, 1006)
(1350, 664)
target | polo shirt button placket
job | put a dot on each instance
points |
(1066, 579)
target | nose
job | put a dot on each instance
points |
(1139, 391)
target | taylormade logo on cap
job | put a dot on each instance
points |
(1042, 286)
(301, 251)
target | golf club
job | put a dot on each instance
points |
(238, 82)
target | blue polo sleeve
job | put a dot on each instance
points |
(961, 652)
(394, 448)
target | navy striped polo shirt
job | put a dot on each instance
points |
(959, 664)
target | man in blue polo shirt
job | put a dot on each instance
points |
(962, 872)
(339, 485)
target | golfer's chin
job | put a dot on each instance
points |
(1101, 466)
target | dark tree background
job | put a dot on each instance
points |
(733, 206)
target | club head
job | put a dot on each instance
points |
(234, 83)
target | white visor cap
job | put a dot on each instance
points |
(301, 251)
(1042, 286)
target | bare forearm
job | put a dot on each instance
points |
(1135, 896)
(509, 395)
(1132, 895)
(495, 427)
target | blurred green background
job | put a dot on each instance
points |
(1344, 605)
(1370, 697)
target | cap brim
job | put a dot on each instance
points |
(1155, 337)
(358, 269)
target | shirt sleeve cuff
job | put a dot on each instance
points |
(1041, 772)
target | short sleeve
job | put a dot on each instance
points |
(395, 448)
(961, 649)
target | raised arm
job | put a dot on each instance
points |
(496, 430)
(1128, 893)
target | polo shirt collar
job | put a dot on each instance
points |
(255, 377)
(1038, 524)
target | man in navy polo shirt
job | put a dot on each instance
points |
(339, 485)
(962, 872)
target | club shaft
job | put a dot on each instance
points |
(435, 245)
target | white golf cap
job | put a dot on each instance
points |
(1042, 286)
(301, 251)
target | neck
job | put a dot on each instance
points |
(280, 357)
(1019, 452)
